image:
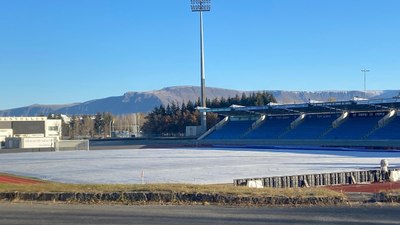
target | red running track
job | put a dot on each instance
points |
(370, 188)
(16, 180)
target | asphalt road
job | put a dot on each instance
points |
(43, 214)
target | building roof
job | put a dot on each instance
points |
(356, 105)
(18, 118)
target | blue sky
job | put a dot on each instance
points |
(63, 51)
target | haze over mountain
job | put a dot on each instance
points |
(134, 102)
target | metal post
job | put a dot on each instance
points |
(203, 79)
(365, 81)
(200, 6)
(111, 124)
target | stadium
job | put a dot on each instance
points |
(201, 164)
(367, 123)
(254, 142)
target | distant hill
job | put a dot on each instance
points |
(305, 96)
(133, 102)
(130, 102)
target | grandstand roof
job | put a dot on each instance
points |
(324, 107)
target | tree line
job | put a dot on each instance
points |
(171, 120)
(100, 125)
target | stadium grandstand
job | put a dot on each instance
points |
(343, 123)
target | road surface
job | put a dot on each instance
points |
(50, 214)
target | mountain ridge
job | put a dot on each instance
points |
(135, 102)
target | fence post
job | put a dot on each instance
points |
(56, 145)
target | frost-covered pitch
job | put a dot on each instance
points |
(202, 166)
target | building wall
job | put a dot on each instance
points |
(37, 142)
(53, 129)
(5, 133)
(5, 124)
(30, 127)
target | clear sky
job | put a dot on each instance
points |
(64, 51)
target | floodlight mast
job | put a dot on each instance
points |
(365, 71)
(200, 6)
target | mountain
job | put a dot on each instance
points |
(133, 102)
(306, 96)
(130, 102)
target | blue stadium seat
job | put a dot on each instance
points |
(390, 131)
(312, 127)
(272, 127)
(232, 130)
(356, 126)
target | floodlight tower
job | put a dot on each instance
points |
(365, 71)
(200, 6)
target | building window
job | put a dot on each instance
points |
(53, 128)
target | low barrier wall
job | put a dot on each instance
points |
(71, 145)
(190, 142)
(316, 142)
(314, 180)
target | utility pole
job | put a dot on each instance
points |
(200, 6)
(365, 71)
(111, 125)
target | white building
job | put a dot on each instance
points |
(30, 132)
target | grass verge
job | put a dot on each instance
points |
(226, 189)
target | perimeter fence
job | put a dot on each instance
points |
(315, 180)
(72, 145)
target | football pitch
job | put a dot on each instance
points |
(186, 165)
